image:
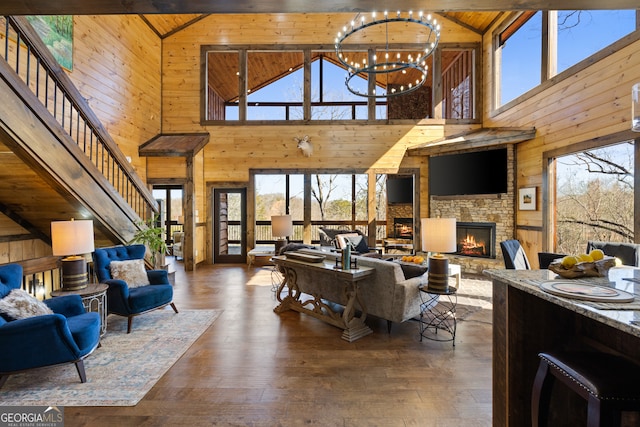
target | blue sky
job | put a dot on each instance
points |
(579, 36)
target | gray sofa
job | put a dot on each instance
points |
(387, 294)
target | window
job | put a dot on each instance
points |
(330, 99)
(278, 194)
(458, 90)
(524, 62)
(223, 70)
(581, 33)
(594, 197)
(338, 200)
(520, 57)
(276, 89)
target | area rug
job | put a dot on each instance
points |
(475, 294)
(122, 370)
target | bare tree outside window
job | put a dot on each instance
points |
(595, 197)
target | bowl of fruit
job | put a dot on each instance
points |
(593, 264)
(413, 259)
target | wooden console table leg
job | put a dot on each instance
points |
(354, 326)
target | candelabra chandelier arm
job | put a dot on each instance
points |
(424, 26)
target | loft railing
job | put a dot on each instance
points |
(27, 55)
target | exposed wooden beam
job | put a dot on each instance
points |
(480, 138)
(35, 232)
(89, 7)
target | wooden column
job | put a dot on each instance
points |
(189, 218)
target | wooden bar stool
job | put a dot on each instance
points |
(609, 383)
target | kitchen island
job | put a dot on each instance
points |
(528, 320)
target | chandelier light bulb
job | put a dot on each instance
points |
(401, 62)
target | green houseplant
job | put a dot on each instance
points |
(150, 235)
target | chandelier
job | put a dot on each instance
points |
(404, 71)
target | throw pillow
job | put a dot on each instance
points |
(131, 271)
(20, 305)
(293, 247)
(411, 270)
(357, 242)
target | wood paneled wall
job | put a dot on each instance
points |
(234, 150)
(593, 102)
(130, 77)
(117, 68)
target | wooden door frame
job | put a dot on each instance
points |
(211, 213)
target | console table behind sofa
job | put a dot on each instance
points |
(386, 294)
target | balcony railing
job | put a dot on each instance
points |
(27, 55)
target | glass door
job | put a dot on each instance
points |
(169, 198)
(230, 225)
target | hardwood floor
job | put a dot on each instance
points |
(256, 368)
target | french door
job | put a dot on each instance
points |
(230, 225)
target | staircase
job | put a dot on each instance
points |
(56, 159)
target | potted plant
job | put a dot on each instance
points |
(150, 235)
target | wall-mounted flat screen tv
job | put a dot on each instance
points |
(399, 189)
(478, 172)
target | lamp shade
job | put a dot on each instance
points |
(72, 237)
(438, 234)
(281, 225)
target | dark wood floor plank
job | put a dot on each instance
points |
(253, 367)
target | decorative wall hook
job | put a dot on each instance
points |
(304, 145)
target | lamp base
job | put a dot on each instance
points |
(438, 273)
(280, 243)
(74, 273)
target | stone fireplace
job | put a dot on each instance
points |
(476, 239)
(403, 228)
(497, 209)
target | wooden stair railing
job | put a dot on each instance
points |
(27, 55)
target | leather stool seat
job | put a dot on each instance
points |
(608, 383)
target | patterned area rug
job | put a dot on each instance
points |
(122, 370)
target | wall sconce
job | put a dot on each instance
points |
(72, 239)
(438, 235)
(281, 228)
(635, 107)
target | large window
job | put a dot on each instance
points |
(337, 199)
(253, 85)
(581, 33)
(522, 59)
(594, 197)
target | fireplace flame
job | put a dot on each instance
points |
(471, 247)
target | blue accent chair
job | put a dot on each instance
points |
(131, 302)
(67, 336)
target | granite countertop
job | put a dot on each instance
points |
(529, 281)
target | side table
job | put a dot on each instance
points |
(94, 298)
(264, 252)
(438, 312)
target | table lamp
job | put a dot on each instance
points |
(281, 228)
(71, 240)
(438, 235)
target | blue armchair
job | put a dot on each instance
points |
(130, 302)
(67, 336)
